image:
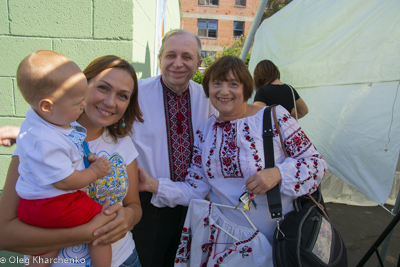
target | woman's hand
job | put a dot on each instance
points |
(110, 232)
(146, 182)
(263, 181)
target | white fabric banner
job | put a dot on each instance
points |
(343, 57)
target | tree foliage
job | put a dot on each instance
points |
(273, 7)
(235, 50)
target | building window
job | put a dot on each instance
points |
(208, 2)
(240, 2)
(207, 28)
(238, 28)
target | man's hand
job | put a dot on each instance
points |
(146, 182)
(8, 135)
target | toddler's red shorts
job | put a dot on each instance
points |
(65, 211)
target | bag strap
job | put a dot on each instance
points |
(294, 102)
(273, 195)
(319, 205)
(278, 129)
(274, 202)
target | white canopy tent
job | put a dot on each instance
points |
(343, 57)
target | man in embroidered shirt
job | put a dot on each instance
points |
(173, 106)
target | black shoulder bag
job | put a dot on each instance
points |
(305, 237)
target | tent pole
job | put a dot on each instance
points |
(379, 240)
(386, 244)
(253, 29)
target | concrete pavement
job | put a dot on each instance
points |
(360, 227)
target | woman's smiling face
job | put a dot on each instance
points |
(108, 96)
(227, 97)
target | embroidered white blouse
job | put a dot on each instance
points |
(226, 154)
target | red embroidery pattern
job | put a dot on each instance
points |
(312, 172)
(206, 219)
(183, 252)
(200, 134)
(196, 158)
(206, 222)
(221, 258)
(250, 139)
(208, 247)
(195, 176)
(245, 251)
(297, 143)
(229, 152)
(284, 119)
(210, 154)
(178, 120)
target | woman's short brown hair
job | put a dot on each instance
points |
(133, 112)
(265, 73)
(219, 70)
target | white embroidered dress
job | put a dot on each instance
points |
(226, 154)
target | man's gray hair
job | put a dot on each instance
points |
(180, 31)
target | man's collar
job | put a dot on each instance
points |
(164, 85)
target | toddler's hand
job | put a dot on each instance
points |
(92, 157)
(101, 166)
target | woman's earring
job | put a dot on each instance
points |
(123, 123)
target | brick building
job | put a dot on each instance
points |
(218, 22)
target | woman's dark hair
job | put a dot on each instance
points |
(220, 69)
(265, 73)
(133, 112)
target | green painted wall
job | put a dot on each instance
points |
(82, 30)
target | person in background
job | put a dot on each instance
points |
(270, 90)
(228, 161)
(173, 107)
(111, 109)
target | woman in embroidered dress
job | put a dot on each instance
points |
(111, 108)
(228, 159)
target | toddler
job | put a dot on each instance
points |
(51, 152)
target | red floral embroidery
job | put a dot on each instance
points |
(227, 161)
(200, 135)
(284, 119)
(183, 252)
(229, 152)
(297, 143)
(194, 176)
(245, 251)
(208, 247)
(192, 184)
(206, 222)
(312, 172)
(196, 158)
(210, 154)
(232, 145)
(256, 158)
